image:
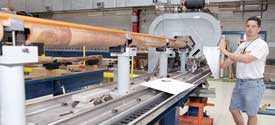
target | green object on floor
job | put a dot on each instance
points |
(267, 112)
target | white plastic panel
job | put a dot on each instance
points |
(18, 55)
(203, 28)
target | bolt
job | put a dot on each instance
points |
(25, 50)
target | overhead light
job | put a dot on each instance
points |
(196, 17)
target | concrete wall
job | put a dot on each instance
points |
(63, 5)
(17, 4)
(236, 22)
(110, 19)
(122, 19)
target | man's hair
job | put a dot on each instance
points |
(254, 18)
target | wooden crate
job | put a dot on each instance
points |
(48, 73)
(76, 68)
(81, 68)
(91, 68)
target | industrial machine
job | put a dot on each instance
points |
(197, 25)
(121, 102)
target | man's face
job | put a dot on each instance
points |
(252, 29)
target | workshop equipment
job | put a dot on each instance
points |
(129, 102)
(196, 114)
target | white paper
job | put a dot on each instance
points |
(212, 55)
(168, 85)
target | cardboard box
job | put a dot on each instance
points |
(81, 68)
(76, 68)
(91, 68)
(48, 73)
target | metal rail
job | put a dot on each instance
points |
(156, 111)
(42, 108)
(141, 106)
(143, 112)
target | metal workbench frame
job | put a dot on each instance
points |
(60, 84)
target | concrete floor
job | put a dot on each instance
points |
(220, 111)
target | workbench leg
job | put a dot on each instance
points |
(12, 95)
(163, 64)
(171, 118)
(123, 74)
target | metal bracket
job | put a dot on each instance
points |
(117, 49)
(16, 24)
(16, 55)
(1, 48)
(161, 49)
(127, 51)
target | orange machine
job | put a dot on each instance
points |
(200, 119)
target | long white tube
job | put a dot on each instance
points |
(12, 95)
(163, 64)
(123, 74)
(13, 38)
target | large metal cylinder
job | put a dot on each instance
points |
(123, 74)
(12, 91)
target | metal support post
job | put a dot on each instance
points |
(12, 85)
(163, 63)
(124, 69)
(183, 61)
(171, 117)
(12, 95)
(123, 74)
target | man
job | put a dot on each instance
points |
(250, 57)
